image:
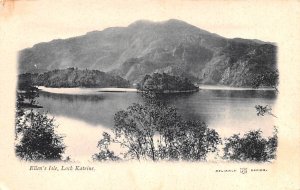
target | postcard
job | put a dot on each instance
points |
(149, 94)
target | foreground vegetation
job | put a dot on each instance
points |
(36, 139)
(155, 132)
(251, 147)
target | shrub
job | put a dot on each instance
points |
(251, 147)
(37, 138)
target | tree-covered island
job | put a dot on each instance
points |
(164, 83)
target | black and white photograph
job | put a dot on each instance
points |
(155, 90)
(149, 94)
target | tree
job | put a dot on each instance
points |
(27, 93)
(105, 154)
(35, 135)
(26, 99)
(251, 147)
(38, 140)
(262, 110)
(268, 78)
(199, 140)
(157, 132)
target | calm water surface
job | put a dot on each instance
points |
(82, 118)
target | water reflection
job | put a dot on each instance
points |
(71, 98)
(211, 106)
(93, 109)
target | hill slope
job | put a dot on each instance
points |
(145, 47)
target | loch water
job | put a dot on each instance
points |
(82, 117)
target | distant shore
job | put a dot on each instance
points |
(83, 91)
(218, 87)
(173, 91)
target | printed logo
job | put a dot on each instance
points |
(243, 170)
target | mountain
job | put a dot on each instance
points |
(73, 77)
(144, 47)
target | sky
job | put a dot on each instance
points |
(35, 21)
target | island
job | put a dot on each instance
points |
(164, 83)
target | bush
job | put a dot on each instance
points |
(37, 139)
(251, 147)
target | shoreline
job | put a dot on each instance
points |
(82, 91)
(172, 91)
(219, 87)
